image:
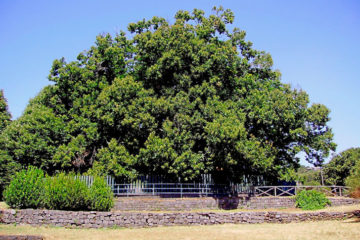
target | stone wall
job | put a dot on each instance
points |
(133, 219)
(180, 204)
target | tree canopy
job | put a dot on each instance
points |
(172, 99)
(341, 166)
(5, 116)
(7, 166)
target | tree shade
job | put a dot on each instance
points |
(173, 99)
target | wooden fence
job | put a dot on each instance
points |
(278, 191)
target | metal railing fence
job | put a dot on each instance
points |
(140, 188)
(177, 189)
(197, 189)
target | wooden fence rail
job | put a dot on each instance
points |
(278, 191)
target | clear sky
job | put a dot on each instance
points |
(314, 43)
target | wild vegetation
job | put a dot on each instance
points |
(173, 99)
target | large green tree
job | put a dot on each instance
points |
(5, 116)
(341, 166)
(7, 166)
(175, 100)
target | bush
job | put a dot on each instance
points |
(26, 189)
(311, 200)
(100, 196)
(65, 192)
(30, 189)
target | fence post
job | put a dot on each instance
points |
(275, 190)
(340, 192)
(153, 189)
(181, 190)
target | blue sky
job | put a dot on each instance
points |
(315, 44)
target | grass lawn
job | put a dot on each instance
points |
(322, 230)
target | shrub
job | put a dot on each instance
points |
(100, 195)
(25, 189)
(30, 189)
(65, 192)
(311, 200)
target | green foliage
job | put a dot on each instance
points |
(175, 100)
(114, 160)
(5, 116)
(100, 195)
(65, 192)
(341, 166)
(7, 166)
(26, 189)
(311, 200)
(31, 189)
(308, 176)
(353, 180)
(33, 138)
